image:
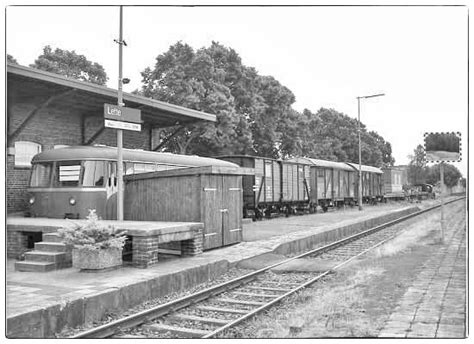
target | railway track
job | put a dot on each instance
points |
(209, 312)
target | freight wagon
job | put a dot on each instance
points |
(372, 183)
(331, 183)
(276, 187)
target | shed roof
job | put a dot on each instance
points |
(88, 97)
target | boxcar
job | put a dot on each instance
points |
(67, 182)
(295, 186)
(276, 187)
(330, 183)
(372, 183)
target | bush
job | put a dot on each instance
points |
(93, 234)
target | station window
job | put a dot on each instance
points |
(24, 152)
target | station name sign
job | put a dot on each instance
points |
(120, 117)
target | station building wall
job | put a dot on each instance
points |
(55, 126)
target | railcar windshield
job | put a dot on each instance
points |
(41, 174)
(68, 174)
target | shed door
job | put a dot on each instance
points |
(232, 203)
(212, 217)
(222, 210)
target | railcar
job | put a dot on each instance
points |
(372, 183)
(67, 182)
(331, 183)
(276, 187)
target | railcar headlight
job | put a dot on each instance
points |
(32, 199)
(72, 201)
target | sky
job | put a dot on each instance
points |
(326, 55)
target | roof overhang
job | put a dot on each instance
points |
(88, 97)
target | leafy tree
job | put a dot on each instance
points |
(331, 135)
(417, 166)
(254, 113)
(451, 175)
(448, 142)
(70, 64)
(197, 80)
(11, 59)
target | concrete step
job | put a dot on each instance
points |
(51, 246)
(45, 256)
(51, 237)
(30, 266)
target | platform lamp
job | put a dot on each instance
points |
(360, 147)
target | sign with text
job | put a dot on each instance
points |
(122, 125)
(115, 113)
(443, 147)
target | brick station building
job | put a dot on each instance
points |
(46, 111)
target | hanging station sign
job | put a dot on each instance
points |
(120, 117)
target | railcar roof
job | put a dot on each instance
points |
(365, 168)
(110, 153)
(245, 156)
(322, 163)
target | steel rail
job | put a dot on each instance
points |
(113, 327)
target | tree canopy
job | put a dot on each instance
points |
(11, 59)
(451, 175)
(254, 112)
(70, 64)
(419, 172)
(448, 142)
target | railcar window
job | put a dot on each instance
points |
(93, 173)
(67, 173)
(143, 168)
(41, 174)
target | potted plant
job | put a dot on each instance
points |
(95, 245)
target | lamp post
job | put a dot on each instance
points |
(360, 147)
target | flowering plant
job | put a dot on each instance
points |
(93, 234)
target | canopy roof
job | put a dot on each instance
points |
(25, 82)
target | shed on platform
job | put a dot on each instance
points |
(210, 195)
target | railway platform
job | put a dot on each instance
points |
(435, 305)
(38, 305)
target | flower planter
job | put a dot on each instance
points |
(86, 259)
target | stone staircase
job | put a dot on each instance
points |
(49, 254)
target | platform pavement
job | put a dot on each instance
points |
(30, 292)
(435, 305)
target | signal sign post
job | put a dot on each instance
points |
(441, 148)
(121, 118)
